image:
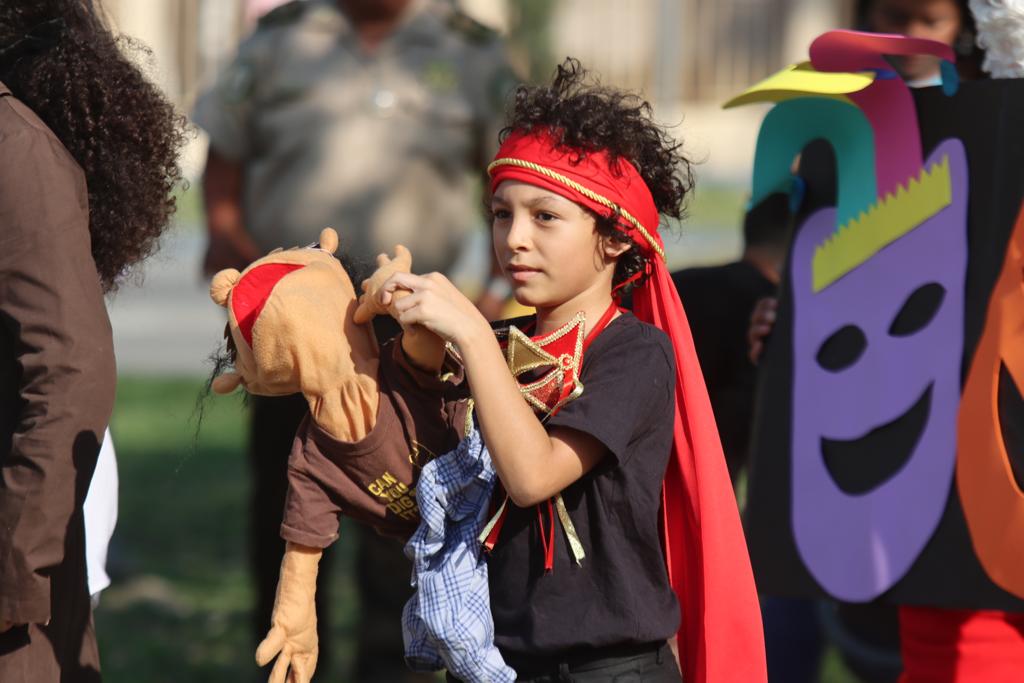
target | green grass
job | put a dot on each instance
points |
(178, 606)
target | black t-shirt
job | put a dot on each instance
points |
(718, 302)
(621, 593)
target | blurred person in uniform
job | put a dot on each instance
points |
(372, 117)
(88, 162)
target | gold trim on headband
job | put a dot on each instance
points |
(586, 192)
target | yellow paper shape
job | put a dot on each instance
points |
(882, 223)
(802, 80)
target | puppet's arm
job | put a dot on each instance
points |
(292, 637)
(423, 348)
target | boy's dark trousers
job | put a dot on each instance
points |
(650, 663)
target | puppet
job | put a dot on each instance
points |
(378, 420)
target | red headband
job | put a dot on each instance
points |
(593, 181)
(720, 638)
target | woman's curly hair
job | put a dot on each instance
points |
(590, 117)
(59, 58)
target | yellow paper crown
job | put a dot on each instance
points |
(885, 221)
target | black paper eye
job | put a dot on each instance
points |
(918, 310)
(842, 348)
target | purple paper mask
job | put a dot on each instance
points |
(876, 386)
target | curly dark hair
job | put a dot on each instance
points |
(589, 117)
(60, 59)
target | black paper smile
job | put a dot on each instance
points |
(861, 465)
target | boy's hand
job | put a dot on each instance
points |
(436, 304)
(369, 304)
(292, 637)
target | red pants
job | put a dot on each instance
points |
(961, 646)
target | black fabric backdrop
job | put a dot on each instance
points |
(988, 116)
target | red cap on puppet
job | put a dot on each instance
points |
(251, 293)
(720, 637)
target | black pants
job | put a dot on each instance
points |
(647, 664)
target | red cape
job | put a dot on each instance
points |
(721, 639)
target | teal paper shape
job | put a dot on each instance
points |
(792, 124)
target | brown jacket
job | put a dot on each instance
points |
(57, 372)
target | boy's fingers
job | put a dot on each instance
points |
(404, 300)
(410, 310)
(762, 321)
(403, 280)
(270, 646)
(766, 310)
(383, 260)
(398, 282)
(407, 318)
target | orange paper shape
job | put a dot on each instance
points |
(992, 502)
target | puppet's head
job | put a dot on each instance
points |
(290, 322)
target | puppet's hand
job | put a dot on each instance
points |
(292, 637)
(424, 348)
(369, 303)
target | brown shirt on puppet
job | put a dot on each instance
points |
(420, 416)
(296, 325)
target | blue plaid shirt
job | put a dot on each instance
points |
(447, 624)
